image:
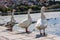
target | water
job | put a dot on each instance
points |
(53, 26)
(53, 23)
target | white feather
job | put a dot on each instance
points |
(42, 23)
(26, 22)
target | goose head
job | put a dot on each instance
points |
(12, 13)
(42, 12)
(14, 10)
(43, 9)
(29, 10)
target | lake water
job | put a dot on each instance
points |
(53, 22)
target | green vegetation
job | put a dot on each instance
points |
(54, 6)
(25, 8)
(5, 9)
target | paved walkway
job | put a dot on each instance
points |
(15, 35)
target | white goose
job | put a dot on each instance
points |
(41, 23)
(11, 23)
(27, 22)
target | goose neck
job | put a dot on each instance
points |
(12, 17)
(29, 17)
(42, 16)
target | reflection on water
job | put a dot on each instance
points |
(53, 23)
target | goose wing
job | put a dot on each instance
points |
(38, 22)
(41, 22)
(24, 23)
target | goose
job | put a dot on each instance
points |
(11, 23)
(26, 22)
(41, 23)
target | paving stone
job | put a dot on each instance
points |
(2, 28)
(3, 38)
(56, 38)
(4, 35)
